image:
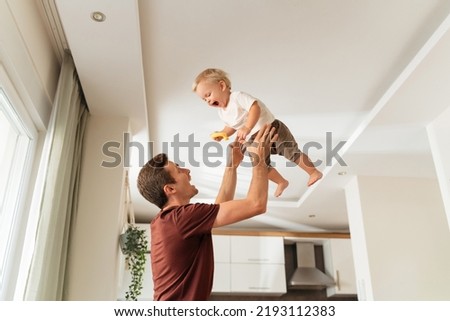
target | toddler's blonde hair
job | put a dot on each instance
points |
(211, 74)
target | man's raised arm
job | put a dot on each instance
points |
(232, 211)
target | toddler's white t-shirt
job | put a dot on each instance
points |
(236, 113)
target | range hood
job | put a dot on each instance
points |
(307, 276)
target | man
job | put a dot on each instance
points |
(181, 242)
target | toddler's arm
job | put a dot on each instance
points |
(228, 130)
(252, 119)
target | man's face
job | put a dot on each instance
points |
(182, 179)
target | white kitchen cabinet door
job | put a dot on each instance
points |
(222, 276)
(257, 249)
(338, 258)
(258, 278)
(221, 245)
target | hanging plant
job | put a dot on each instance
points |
(133, 243)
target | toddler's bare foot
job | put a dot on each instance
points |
(281, 187)
(314, 177)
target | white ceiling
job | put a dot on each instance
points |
(368, 73)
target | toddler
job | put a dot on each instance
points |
(245, 115)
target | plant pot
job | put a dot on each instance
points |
(123, 241)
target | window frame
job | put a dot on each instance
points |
(18, 232)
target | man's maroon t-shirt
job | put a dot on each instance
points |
(182, 254)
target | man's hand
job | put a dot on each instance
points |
(228, 186)
(234, 154)
(260, 148)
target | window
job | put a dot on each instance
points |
(16, 148)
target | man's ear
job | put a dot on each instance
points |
(168, 189)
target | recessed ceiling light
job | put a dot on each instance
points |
(98, 16)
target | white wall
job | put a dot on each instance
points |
(439, 137)
(93, 269)
(400, 238)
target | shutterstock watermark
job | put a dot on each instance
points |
(212, 154)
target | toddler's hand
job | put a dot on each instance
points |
(242, 133)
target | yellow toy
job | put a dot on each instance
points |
(219, 134)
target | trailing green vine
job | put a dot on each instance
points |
(134, 246)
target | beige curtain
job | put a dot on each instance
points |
(61, 165)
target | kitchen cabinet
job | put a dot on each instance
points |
(258, 278)
(338, 258)
(257, 249)
(221, 282)
(221, 245)
(251, 264)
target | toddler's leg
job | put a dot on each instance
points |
(281, 182)
(288, 147)
(305, 163)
